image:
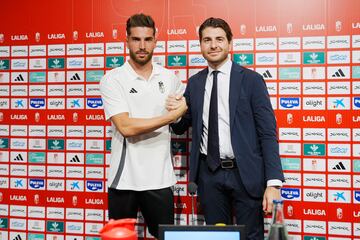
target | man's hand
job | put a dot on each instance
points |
(173, 102)
(176, 105)
(271, 193)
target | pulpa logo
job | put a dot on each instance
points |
(290, 193)
(357, 102)
(289, 102)
(37, 102)
(94, 185)
(94, 102)
(357, 196)
(37, 183)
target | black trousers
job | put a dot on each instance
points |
(156, 206)
(222, 193)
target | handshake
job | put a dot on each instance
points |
(176, 106)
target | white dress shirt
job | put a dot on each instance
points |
(223, 85)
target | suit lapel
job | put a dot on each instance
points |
(200, 93)
(236, 77)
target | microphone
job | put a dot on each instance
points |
(192, 187)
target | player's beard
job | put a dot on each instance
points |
(141, 61)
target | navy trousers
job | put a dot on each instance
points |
(222, 194)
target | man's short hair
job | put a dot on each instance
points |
(139, 20)
(216, 23)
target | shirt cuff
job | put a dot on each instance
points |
(274, 183)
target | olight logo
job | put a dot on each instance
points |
(94, 102)
(94, 186)
(244, 59)
(313, 149)
(290, 193)
(37, 102)
(289, 102)
(114, 61)
(36, 183)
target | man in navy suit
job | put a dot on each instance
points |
(235, 154)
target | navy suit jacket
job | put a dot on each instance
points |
(252, 127)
